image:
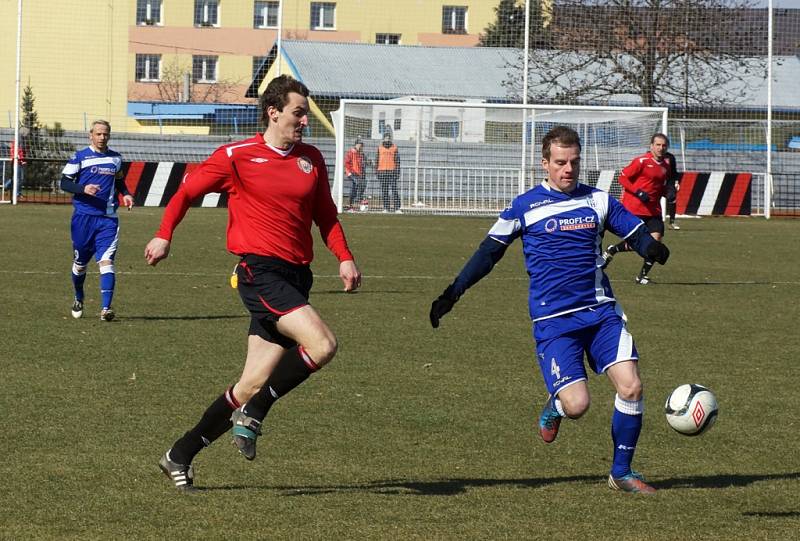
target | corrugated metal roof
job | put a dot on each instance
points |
(358, 70)
(391, 71)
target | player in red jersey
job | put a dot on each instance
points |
(277, 186)
(644, 183)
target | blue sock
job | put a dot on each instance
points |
(78, 278)
(626, 424)
(107, 279)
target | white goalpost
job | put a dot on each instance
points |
(464, 157)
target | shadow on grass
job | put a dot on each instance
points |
(723, 481)
(437, 487)
(772, 514)
(368, 291)
(182, 318)
(452, 487)
(715, 283)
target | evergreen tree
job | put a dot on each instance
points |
(508, 30)
(30, 118)
(45, 149)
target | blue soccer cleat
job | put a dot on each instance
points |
(633, 482)
(246, 431)
(549, 421)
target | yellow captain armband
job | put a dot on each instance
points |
(234, 278)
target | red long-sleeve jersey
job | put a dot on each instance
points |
(647, 174)
(354, 162)
(272, 200)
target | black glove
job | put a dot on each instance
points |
(442, 305)
(658, 252)
(642, 196)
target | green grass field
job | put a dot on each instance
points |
(410, 433)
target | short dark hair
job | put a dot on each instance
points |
(564, 136)
(659, 136)
(277, 94)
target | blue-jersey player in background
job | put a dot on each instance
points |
(94, 175)
(561, 223)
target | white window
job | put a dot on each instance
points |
(398, 119)
(323, 15)
(387, 39)
(454, 20)
(148, 12)
(446, 127)
(265, 15)
(206, 12)
(204, 69)
(148, 68)
(382, 122)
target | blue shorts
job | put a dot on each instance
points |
(94, 235)
(561, 342)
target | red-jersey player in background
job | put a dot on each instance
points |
(643, 185)
(277, 186)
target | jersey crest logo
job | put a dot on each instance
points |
(304, 164)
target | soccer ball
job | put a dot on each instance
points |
(691, 409)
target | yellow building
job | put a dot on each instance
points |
(74, 59)
(126, 60)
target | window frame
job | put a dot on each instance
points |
(262, 5)
(148, 19)
(387, 38)
(205, 20)
(318, 9)
(397, 123)
(147, 65)
(204, 60)
(451, 26)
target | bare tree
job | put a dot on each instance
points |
(691, 52)
(176, 79)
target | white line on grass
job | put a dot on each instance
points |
(399, 277)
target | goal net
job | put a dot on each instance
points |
(474, 158)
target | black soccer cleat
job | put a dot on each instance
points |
(180, 474)
(77, 309)
(246, 431)
(607, 255)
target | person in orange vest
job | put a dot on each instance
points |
(354, 171)
(20, 155)
(387, 167)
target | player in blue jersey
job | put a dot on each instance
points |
(94, 175)
(561, 224)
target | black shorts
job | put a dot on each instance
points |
(655, 224)
(271, 288)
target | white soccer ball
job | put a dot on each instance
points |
(691, 409)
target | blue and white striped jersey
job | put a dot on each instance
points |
(562, 238)
(89, 166)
